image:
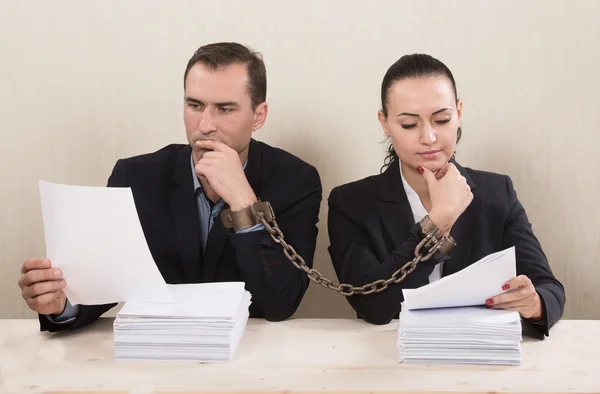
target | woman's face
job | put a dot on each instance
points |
(422, 120)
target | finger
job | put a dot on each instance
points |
(520, 304)
(41, 288)
(42, 275)
(428, 175)
(212, 145)
(208, 161)
(33, 264)
(204, 167)
(39, 275)
(211, 155)
(206, 144)
(451, 168)
(519, 281)
(513, 305)
(521, 310)
(510, 296)
(440, 174)
(43, 300)
(469, 196)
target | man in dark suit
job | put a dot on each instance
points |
(196, 202)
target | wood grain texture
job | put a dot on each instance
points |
(293, 392)
(295, 356)
(86, 83)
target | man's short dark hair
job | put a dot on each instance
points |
(223, 54)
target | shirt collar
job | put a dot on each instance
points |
(407, 188)
(413, 198)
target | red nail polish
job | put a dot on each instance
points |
(421, 170)
(489, 301)
(505, 287)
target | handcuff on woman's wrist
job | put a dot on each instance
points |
(435, 240)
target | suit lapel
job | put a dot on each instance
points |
(466, 228)
(393, 207)
(184, 209)
(396, 215)
(253, 169)
(217, 237)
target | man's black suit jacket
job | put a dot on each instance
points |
(163, 191)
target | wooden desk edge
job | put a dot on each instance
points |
(297, 392)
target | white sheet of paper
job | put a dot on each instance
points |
(202, 300)
(461, 316)
(469, 286)
(93, 234)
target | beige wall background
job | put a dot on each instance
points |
(86, 83)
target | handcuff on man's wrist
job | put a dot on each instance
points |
(247, 217)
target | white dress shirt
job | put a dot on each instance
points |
(419, 212)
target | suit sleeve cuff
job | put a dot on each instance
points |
(69, 315)
(256, 227)
(542, 326)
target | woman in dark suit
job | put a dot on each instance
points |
(376, 223)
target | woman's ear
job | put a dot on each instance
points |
(383, 122)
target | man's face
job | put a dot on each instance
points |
(217, 106)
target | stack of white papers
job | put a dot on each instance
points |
(467, 335)
(447, 322)
(205, 324)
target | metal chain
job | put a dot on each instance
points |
(344, 288)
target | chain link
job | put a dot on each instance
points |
(344, 288)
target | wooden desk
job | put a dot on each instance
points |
(296, 355)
